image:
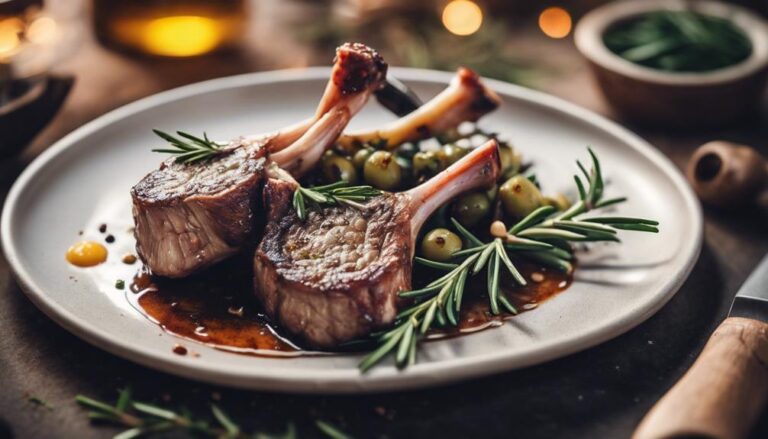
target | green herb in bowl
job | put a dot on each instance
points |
(679, 41)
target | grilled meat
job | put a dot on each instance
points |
(335, 276)
(191, 215)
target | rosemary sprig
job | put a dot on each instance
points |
(544, 236)
(188, 148)
(330, 195)
(679, 41)
(146, 420)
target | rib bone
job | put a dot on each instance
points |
(465, 99)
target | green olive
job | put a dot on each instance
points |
(511, 160)
(492, 192)
(406, 166)
(449, 136)
(336, 168)
(520, 196)
(440, 244)
(361, 156)
(450, 154)
(382, 171)
(469, 209)
(426, 164)
(560, 201)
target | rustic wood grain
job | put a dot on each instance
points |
(723, 393)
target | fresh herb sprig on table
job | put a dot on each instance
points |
(544, 236)
(146, 420)
(188, 148)
(330, 195)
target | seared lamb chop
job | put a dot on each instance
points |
(335, 276)
(191, 215)
(466, 99)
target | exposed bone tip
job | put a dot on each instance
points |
(492, 147)
(357, 68)
(484, 100)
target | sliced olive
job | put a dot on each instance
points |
(440, 244)
(337, 168)
(471, 208)
(520, 196)
(382, 171)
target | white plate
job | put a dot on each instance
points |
(84, 180)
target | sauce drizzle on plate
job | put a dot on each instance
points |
(217, 308)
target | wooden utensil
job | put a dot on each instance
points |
(725, 390)
(727, 175)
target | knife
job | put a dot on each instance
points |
(725, 390)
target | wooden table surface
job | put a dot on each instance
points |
(601, 392)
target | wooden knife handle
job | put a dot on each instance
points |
(724, 391)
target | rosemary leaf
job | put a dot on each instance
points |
(130, 433)
(331, 194)
(473, 240)
(533, 218)
(331, 431)
(231, 428)
(435, 264)
(493, 282)
(124, 400)
(154, 411)
(188, 148)
(430, 314)
(404, 347)
(377, 355)
(483, 259)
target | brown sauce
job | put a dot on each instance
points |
(218, 308)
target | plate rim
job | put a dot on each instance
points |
(333, 381)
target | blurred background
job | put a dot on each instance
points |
(66, 62)
(88, 57)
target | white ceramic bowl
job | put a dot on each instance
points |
(670, 98)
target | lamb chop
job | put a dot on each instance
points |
(336, 276)
(191, 215)
(466, 99)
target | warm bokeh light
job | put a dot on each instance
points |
(462, 17)
(185, 35)
(555, 22)
(42, 31)
(10, 29)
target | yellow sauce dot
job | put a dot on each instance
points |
(86, 254)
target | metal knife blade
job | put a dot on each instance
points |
(752, 299)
